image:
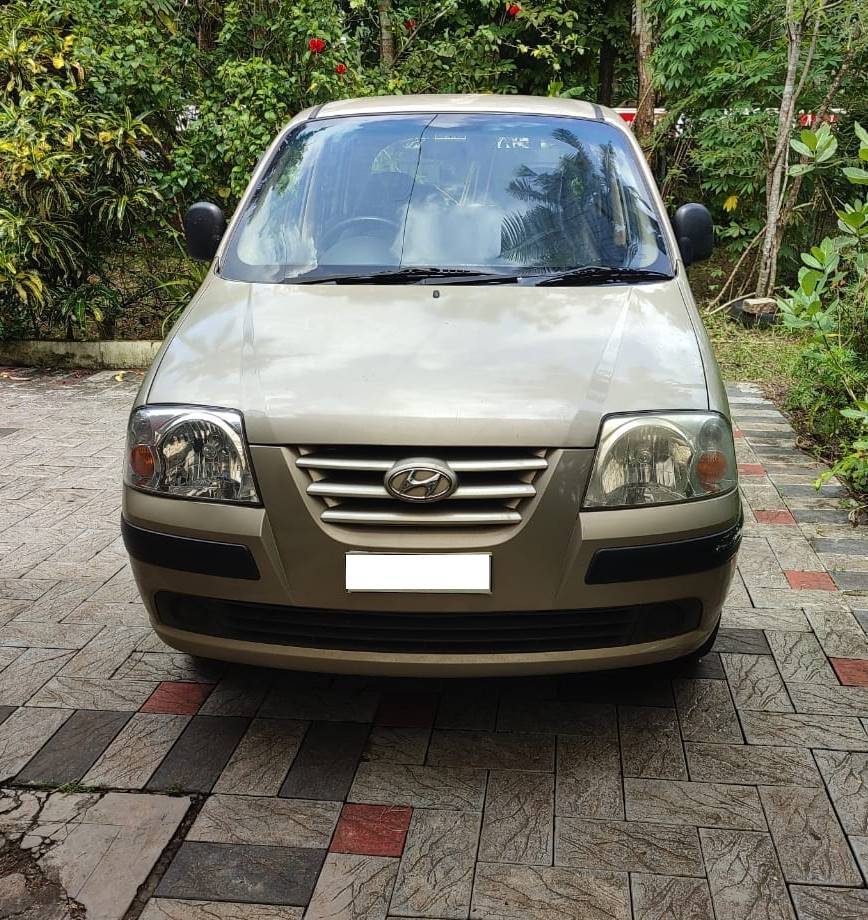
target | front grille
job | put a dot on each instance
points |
(455, 633)
(495, 485)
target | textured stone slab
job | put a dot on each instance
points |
(24, 634)
(778, 618)
(492, 750)
(756, 683)
(704, 804)
(651, 742)
(200, 754)
(371, 830)
(238, 693)
(662, 897)
(588, 780)
(352, 887)
(23, 733)
(320, 704)
(558, 716)
(397, 745)
(185, 909)
(93, 693)
(326, 761)
(705, 711)
(798, 730)
(757, 564)
(819, 698)
(103, 655)
(462, 789)
(800, 658)
(436, 873)
(817, 903)
(509, 892)
(468, 710)
(810, 843)
(742, 642)
(517, 826)
(266, 821)
(751, 765)
(241, 872)
(846, 776)
(24, 676)
(838, 631)
(632, 846)
(263, 757)
(744, 876)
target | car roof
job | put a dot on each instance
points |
(468, 102)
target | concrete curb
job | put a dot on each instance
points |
(107, 354)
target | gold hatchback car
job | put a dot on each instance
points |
(442, 405)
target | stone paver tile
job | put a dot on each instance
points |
(788, 597)
(705, 711)
(24, 634)
(165, 666)
(851, 672)
(353, 887)
(818, 698)
(588, 779)
(238, 693)
(492, 750)
(737, 595)
(758, 565)
(185, 909)
(663, 897)
(5, 712)
(632, 846)
(436, 872)
(780, 618)
(242, 872)
(23, 733)
(517, 825)
(846, 776)
(397, 745)
(263, 757)
(139, 748)
(744, 875)
(799, 730)
(200, 754)
(742, 642)
(462, 789)
(756, 683)
(407, 710)
(793, 551)
(266, 821)
(839, 632)
(74, 748)
(810, 843)
(178, 698)
(707, 804)
(651, 743)
(817, 903)
(751, 765)
(326, 761)
(24, 676)
(320, 704)
(511, 892)
(93, 693)
(371, 830)
(800, 658)
(105, 653)
(469, 712)
(60, 599)
(558, 716)
(860, 851)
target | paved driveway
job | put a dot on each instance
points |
(737, 790)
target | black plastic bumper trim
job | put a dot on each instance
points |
(663, 560)
(186, 554)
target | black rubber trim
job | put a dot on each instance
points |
(185, 554)
(663, 560)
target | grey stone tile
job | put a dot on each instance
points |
(185, 909)
(397, 745)
(558, 716)
(517, 826)
(800, 598)
(263, 757)
(23, 733)
(23, 677)
(265, 820)
(462, 789)
(161, 666)
(435, 876)
(744, 875)
(751, 765)
(810, 843)
(353, 887)
(105, 653)
(74, 748)
(758, 565)
(737, 594)
(856, 545)
(756, 683)
(846, 776)
(704, 804)
(320, 704)
(632, 846)
(742, 641)
(817, 903)
(469, 710)
(492, 750)
(800, 658)
(242, 872)
(838, 631)
(705, 711)
(798, 730)
(5, 712)
(794, 552)
(778, 618)
(93, 693)
(651, 743)
(588, 782)
(663, 897)
(24, 634)
(510, 892)
(819, 698)
(326, 761)
(860, 851)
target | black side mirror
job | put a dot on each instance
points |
(694, 231)
(204, 226)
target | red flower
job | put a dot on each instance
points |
(340, 69)
(316, 45)
(513, 10)
(409, 24)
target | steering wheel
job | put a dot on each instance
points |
(382, 225)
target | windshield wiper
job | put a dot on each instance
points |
(404, 275)
(601, 274)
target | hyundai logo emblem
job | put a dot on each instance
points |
(421, 479)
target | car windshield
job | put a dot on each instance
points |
(489, 193)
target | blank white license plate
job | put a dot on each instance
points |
(456, 573)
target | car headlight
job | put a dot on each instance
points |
(659, 459)
(189, 452)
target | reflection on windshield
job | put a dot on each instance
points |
(491, 193)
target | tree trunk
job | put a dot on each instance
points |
(643, 123)
(606, 65)
(387, 37)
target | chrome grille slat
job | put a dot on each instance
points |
(353, 490)
(418, 518)
(374, 465)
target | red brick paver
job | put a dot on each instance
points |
(775, 517)
(852, 672)
(180, 698)
(372, 830)
(815, 581)
(751, 469)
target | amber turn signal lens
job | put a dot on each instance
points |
(711, 470)
(142, 461)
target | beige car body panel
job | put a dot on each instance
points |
(497, 366)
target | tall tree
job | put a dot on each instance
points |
(643, 124)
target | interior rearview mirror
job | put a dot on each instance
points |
(204, 226)
(694, 231)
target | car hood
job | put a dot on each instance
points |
(497, 365)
